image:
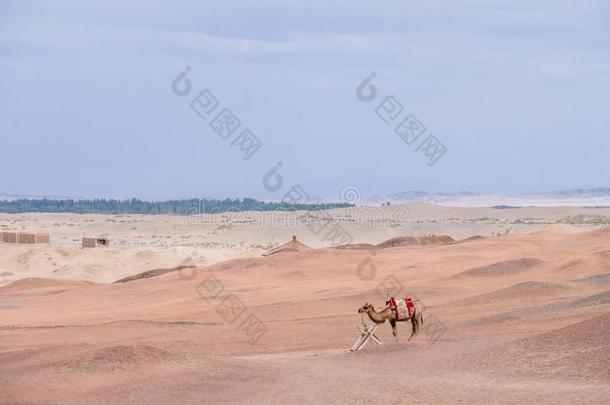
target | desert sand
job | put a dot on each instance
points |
(147, 242)
(517, 316)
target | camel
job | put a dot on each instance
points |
(387, 314)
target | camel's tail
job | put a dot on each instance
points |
(420, 310)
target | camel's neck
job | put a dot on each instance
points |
(377, 317)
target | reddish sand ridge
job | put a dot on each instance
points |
(140, 243)
(526, 320)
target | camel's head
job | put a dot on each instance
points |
(365, 308)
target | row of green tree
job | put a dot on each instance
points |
(136, 206)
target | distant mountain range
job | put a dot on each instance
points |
(415, 195)
(599, 196)
(580, 193)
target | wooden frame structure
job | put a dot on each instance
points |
(367, 333)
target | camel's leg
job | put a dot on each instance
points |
(394, 331)
(413, 328)
(420, 318)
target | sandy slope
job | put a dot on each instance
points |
(141, 242)
(513, 319)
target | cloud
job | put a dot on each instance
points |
(197, 41)
(485, 76)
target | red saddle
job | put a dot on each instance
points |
(402, 308)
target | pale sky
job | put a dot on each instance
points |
(517, 92)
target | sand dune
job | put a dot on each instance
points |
(503, 268)
(528, 290)
(411, 240)
(28, 284)
(586, 261)
(153, 273)
(140, 243)
(111, 358)
(97, 265)
(578, 350)
(596, 280)
(500, 315)
(401, 241)
(593, 300)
